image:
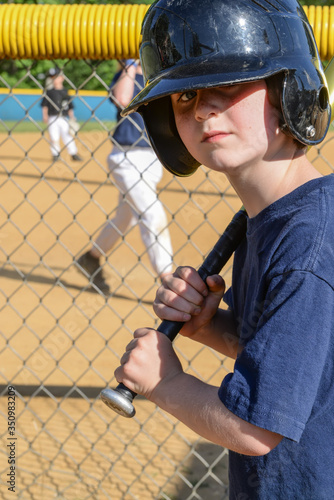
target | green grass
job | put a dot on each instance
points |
(28, 126)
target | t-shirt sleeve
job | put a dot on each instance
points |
(48, 101)
(44, 102)
(278, 371)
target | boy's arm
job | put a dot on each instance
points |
(222, 336)
(45, 114)
(150, 367)
(198, 406)
(124, 87)
(70, 107)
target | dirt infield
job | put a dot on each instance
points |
(50, 212)
(59, 334)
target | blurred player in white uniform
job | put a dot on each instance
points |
(57, 108)
(136, 172)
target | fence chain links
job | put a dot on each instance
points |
(61, 337)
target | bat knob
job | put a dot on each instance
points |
(119, 400)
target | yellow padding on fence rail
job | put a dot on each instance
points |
(70, 31)
(102, 31)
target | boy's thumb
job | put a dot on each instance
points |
(216, 285)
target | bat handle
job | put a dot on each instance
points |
(120, 400)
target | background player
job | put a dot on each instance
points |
(57, 107)
(136, 173)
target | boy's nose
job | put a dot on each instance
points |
(206, 105)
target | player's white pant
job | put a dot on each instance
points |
(136, 174)
(59, 128)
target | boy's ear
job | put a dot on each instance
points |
(305, 106)
(161, 129)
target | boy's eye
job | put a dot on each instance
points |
(187, 96)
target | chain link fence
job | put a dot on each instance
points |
(61, 338)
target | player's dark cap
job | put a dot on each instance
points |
(53, 72)
(188, 45)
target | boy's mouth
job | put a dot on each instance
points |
(214, 136)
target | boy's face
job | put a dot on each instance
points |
(228, 127)
(58, 81)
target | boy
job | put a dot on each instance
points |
(57, 108)
(238, 87)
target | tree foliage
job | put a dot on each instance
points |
(79, 74)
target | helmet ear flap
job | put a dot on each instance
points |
(161, 129)
(305, 106)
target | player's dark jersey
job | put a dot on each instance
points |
(130, 131)
(58, 102)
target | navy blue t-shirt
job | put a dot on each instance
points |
(130, 130)
(282, 296)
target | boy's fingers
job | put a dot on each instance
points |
(191, 276)
(165, 312)
(168, 305)
(141, 332)
(183, 278)
(185, 284)
(216, 284)
(188, 302)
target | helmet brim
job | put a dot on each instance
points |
(177, 80)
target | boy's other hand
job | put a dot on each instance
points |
(148, 362)
(183, 296)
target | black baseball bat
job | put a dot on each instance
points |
(120, 399)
